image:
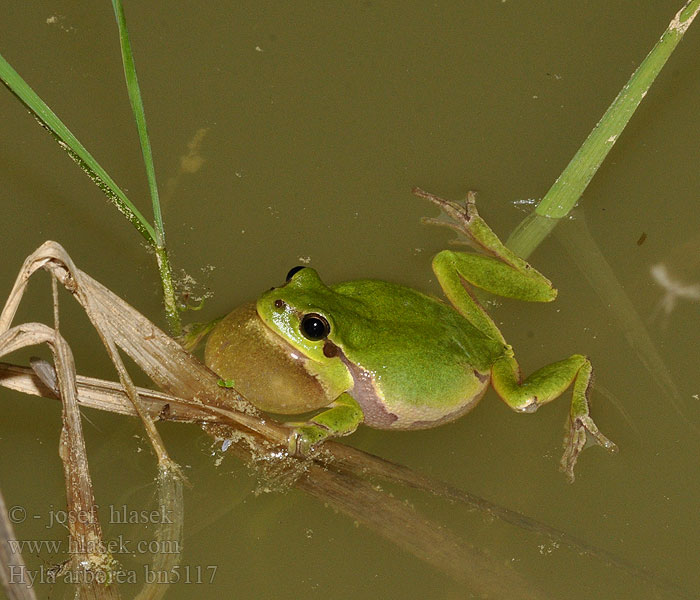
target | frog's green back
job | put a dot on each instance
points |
(379, 315)
(422, 351)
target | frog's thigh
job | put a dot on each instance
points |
(492, 275)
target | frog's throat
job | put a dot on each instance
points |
(374, 408)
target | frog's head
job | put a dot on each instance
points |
(301, 312)
(299, 316)
(273, 350)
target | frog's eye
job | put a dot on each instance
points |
(314, 327)
(293, 271)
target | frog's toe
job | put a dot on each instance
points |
(303, 438)
(578, 432)
(586, 424)
(295, 443)
(574, 442)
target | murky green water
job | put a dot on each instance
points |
(319, 119)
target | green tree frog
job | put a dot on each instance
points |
(391, 357)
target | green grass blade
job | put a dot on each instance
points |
(570, 185)
(132, 85)
(48, 119)
(171, 309)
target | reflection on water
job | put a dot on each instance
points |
(679, 276)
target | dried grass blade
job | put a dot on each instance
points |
(89, 563)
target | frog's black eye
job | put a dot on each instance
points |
(314, 327)
(293, 271)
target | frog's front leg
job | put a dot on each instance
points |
(545, 385)
(341, 418)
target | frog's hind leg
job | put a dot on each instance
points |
(497, 269)
(545, 385)
(456, 271)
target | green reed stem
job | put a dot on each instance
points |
(570, 185)
(155, 236)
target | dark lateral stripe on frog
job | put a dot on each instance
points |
(366, 395)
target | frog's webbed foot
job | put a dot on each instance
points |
(466, 221)
(547, 384)
(577, 432)
(459, 217)
(454, 210)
